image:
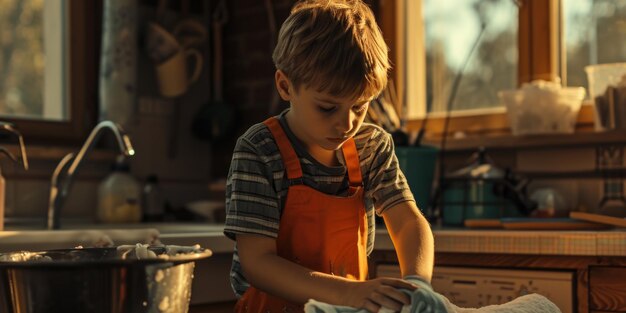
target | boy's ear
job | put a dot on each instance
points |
(285, 89)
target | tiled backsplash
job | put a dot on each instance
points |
(27, 195)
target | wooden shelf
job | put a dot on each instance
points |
(506, 142)
(609, 173)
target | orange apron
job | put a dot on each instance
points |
(321, 232)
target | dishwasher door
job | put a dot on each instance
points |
(470, 287)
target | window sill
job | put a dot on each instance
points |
(492, 131)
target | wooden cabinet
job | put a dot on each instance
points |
(600, 282)
(607, 288)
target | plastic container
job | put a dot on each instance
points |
(607, 89)
(542, 107)
(119, 196)
(418, 165)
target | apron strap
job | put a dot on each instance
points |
(351, 155)
(290, 158)
(292, 162)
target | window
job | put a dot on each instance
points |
(451, 27)
(594, 33)
(32, 59)
(520, 44)
(439, 36)
(48, 67)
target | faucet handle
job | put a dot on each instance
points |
(10, 128)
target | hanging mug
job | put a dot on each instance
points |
(171, 59)
(172, 75)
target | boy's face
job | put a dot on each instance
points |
(319, 120)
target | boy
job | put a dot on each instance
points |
(303, 187)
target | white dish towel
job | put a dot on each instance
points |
(531, 303)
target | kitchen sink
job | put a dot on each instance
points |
(19, 224)
(31, 235)
(37, 240)
(163, 228)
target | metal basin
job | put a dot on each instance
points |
(98, 280)
(37, 240)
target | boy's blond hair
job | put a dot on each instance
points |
(334, 46)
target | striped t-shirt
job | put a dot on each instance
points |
(256, 188)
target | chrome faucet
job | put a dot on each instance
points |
(60, 185)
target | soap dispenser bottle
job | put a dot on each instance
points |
(119, 196)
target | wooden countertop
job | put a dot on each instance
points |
(589, 243)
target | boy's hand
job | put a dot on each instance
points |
(373, 294)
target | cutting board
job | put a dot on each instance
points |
(523, 223)
(599, 218)
(483, 223)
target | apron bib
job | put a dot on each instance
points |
(321, 232)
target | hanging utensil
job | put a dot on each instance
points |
(216, 120)
(175, 121)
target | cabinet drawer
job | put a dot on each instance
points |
(607, 288)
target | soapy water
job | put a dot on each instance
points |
(145, 251)
(138, 251)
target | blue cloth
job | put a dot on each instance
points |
(423, 300)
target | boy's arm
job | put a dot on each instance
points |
(273, 274)
(412, 239)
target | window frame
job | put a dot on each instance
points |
(83, 45)
(539, 44)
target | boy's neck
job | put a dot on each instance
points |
(325, 157)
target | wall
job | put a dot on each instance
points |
(248, 67)
(190, 169)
